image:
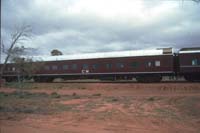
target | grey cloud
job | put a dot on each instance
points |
(89, 33)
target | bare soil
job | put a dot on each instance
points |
(100, 108)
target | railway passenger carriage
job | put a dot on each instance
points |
(149, 65)
(144, 65)
(189, 60)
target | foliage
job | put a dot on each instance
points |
(55, 95)
(25, 65)
(56, 52)
(18, 36)
(97, 94)
(151, 99)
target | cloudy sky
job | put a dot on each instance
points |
(80, 26)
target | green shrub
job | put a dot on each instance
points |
(97, 94)
(151, 99)
(55, 95)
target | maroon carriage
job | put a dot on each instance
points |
(189, 60)
(145, 65)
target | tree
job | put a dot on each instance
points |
(20, 35)
(56, 52)
(26, 66)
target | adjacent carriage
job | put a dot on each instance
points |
(189, 63)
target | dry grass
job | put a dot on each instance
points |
(105, 102)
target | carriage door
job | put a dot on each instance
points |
(85, 69)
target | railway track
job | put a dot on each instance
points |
(119, 81)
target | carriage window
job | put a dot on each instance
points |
(54, 67)
(8, 68)
(85, 66)
(95, 66)
(47, 68)
(74, 66)
(149, 64)
(135, 64)
(120, 65)
(157, 63)
(108, 65)
(65, 67)
(13, 68)
(194, 62)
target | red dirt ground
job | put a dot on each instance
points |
(111, 108)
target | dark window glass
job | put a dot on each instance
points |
(74, 66)
(13, 69)
(8, 68)
(194, 62)
(65, 67)
(120, 65)
(95, 66)
(47, 68)
(135, 64)
(85, 66)
(149, 64)
(108, 65)
(54, 67)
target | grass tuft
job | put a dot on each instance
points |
(55, 95)
(151, 99)
(97, 94)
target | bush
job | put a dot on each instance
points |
(151, 99)
(97, 94)
(55, 95)
(74, 94)
(114, 99)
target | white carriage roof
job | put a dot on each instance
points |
(131, 53)
(190, 50)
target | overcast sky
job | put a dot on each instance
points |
(80, 26)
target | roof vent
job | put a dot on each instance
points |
(166, 50)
